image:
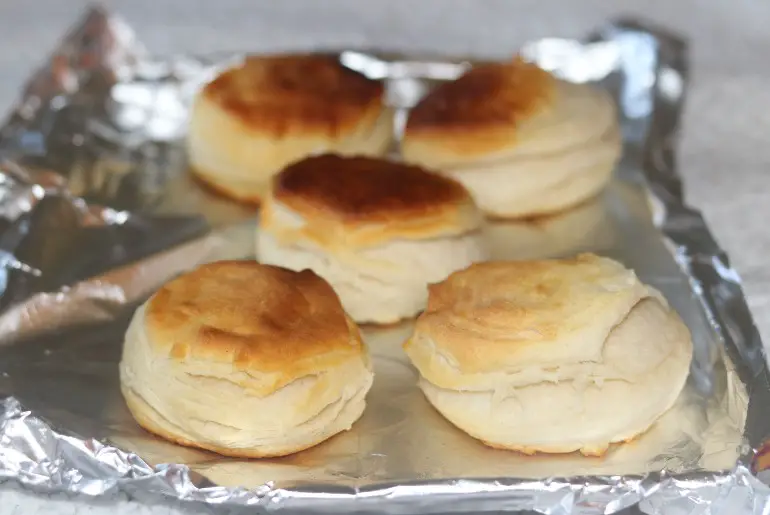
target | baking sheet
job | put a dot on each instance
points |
(107, 118)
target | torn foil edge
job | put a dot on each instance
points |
(36, 455)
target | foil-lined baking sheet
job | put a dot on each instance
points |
(97, 210)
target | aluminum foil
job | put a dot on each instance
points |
(97, 210)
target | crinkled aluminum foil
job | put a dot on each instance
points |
(99, 125)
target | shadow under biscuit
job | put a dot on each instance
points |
(187, 194)
(440, 450)
(372, 451)
(584, 227)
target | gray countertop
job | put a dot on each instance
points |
(724, 153)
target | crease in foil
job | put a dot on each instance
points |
(58, 252)
(89, 159)
(46, 220)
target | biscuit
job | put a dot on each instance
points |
(269, 111)
(377, 230)
(245, 360)
(522, 141)
(550, 356)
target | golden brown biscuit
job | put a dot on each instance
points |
(245, 360)
(479, 113)
(259, 116)
(550, 356)
(522, 141)
(377, 230)
(369, 201)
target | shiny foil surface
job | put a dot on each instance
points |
(97, 210)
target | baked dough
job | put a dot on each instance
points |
(377, 230)
(269, 111)
(522, 141)
(550, 356)
(245, 360)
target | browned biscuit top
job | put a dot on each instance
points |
(287, 94)
(513, 312)
(260, 318)
(362, 189)
(488, 95)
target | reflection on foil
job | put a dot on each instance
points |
(97, 210)
(52, 241)
(64, 208)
